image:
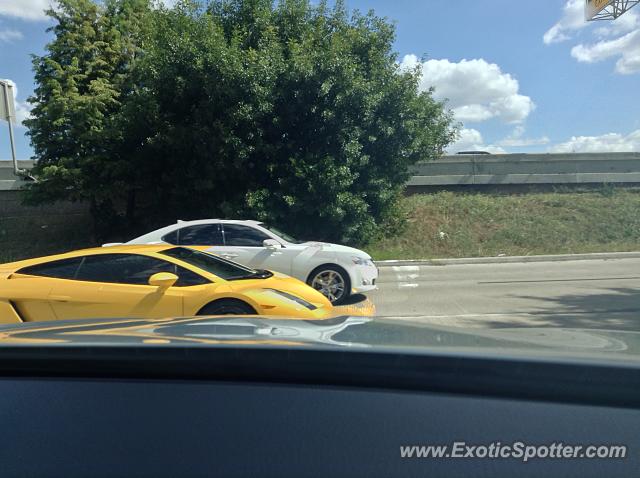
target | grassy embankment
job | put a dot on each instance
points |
(448, 224)
(444, 224)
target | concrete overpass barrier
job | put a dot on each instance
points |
(8, 180)
(486, 169)
(513, 169)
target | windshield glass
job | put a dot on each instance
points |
(215, 265)
(283, 235)
(386, 138)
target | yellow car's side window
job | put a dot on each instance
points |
(134, 269)
(61, 269)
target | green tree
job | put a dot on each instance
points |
(286, 112)
(289, 113)
(83, 104)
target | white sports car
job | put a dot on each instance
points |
(336, 271)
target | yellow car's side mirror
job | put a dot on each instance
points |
(163, 279)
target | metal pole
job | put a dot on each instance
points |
(16, 170)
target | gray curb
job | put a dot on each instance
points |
(510, 259)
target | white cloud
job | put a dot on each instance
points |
(621, 25)
(517, 139)
(22, 109)
(9, 35)
(470, 139)
(619, 38)
(572, 20)
(610, 142)
(476, 90)
(626, 47)
(522, 142)
(25, 9)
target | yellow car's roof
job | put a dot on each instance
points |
(124, 248)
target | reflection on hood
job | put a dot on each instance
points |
(340, 332)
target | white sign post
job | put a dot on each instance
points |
(8, 113)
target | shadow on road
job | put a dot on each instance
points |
(615, 308)
(354, 299)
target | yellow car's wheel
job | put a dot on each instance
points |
(227, 307)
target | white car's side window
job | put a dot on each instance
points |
(239, 235)
(198, 235)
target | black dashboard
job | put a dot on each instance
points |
(267, 412)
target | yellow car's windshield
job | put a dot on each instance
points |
(218, 266)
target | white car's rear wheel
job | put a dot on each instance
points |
(332, 282)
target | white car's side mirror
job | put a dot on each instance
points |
(271, 244)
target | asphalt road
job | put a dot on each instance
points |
(582, 293)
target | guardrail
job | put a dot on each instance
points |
(487, 169)
(522, 169)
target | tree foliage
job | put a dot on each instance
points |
(86, 86)
(291, 113)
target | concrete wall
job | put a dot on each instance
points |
(8, 180)
(515, 169)
(496, 169)
(26, 231)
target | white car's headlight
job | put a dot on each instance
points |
(362, 261)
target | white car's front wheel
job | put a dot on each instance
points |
(331, 281)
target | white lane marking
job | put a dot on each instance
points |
(406, 278)
(405, 273)
(411, 285)
(406, 268)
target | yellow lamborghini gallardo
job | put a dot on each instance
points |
(148, 282)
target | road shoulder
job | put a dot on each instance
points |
(510, 259)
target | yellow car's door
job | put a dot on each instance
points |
(28, 288)
(86, 300)
(28, 296)
(116, 285)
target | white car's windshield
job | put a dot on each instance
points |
(283, 235)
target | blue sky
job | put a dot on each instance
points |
(519, 77)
